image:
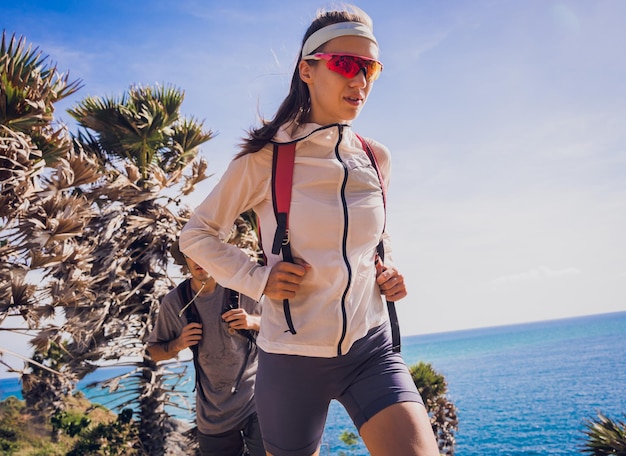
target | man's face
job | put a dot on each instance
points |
(196, 270)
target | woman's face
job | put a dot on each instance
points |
(335, 98)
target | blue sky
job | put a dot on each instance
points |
(506, 120)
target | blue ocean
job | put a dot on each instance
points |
(523, 389)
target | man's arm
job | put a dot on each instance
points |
(191, 335)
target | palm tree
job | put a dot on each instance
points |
(89, 217)
(30, 241)
(144, 145)
(443, 417)
(605, 437)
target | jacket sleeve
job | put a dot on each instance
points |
(243, 185)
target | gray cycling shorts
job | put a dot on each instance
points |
(293, 393)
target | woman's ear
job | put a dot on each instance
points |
(305, 71)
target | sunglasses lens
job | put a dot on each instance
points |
(345, 65)
(349, 66)
(373, 70)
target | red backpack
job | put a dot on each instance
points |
(282, 179)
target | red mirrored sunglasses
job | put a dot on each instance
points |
(349, 65)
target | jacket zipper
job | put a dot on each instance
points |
(344, 317)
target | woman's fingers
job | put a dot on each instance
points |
(285, 279)
(392, 284)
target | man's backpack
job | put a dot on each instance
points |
(191, 314)
(282, 181)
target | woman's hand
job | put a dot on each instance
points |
(285, 279)
(391, 284)
(240, 319)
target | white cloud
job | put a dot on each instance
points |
(538, 273)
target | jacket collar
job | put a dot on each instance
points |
(292, 132)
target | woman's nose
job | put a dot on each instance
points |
(360, 79)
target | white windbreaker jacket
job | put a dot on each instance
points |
(336, 221)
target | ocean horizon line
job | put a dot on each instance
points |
(518, 323)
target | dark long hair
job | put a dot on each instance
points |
(297, 105)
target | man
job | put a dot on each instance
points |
(220, 327)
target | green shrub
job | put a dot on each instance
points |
(9, 432)
(605, 437)
(8, 441)
(72, 423)
(110, 439)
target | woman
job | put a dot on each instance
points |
(334, 341)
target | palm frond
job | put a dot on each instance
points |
(605, 437)
(19, 164)
(30, 86)
(22, 292)
(198, 174)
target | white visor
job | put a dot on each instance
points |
(325, 34)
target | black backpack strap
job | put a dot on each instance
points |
(191, 314)
(186, 295)
(233, 303)
(391, 306)
(184, 292)
(282, 180)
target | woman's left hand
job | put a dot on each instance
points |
(240, 319)
(391, 284)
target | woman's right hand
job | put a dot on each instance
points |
(285, 279)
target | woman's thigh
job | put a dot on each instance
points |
(381, 380)
(403, 428)
(292, 403)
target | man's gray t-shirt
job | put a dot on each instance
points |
(222, 354)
